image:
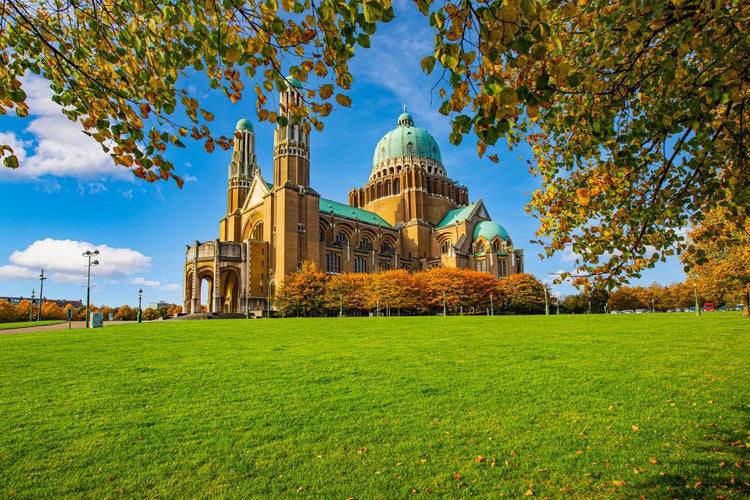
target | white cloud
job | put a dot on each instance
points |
(11, 272)
(387, 66)
(568, 255)
(155, 284)
(57, 147)
(63, 261)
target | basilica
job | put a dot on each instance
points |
(408, 215)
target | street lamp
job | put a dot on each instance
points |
(444, 303)
(31, 306)
(341, 306)
(41, 291)
(89, 254)
(492, 307)
(140, 298)
(546, 302)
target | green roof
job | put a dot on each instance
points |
(244, 124)
(457, 215)
(489, 230)
(342, 210)
(406, 140)
(293, 82)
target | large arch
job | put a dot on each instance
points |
(230, 290)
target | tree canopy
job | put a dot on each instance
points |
(719, 258)
(636, 111)
(121, 68)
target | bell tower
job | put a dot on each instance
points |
(295, 205)
(291, 158)
(242, 170)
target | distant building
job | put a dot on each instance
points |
(160, 304)
(408, 215)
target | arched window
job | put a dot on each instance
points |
(365, 243)
(257, 231)
(341, 238)
(396, 186)
(385, 247)
(445, 248)
(479, 247)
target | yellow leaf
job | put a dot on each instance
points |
(320, 69)
(326, 91)
(583, 199)
(343, 100)
(635, 428)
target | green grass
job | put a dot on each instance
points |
(24, 324)
(569, 406)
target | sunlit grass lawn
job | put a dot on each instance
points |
(568, 406)
(25, 324)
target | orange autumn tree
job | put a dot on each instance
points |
(392, 290)
(719, 258)
(446, 288)
(303, 291)
(346, 291)
(522, 294)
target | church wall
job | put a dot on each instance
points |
(416, 243)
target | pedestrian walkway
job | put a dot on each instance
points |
(46, 328)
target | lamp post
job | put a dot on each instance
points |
(89, 254)
(41, 291)
(546, 302)
(268, 300)
(492, 306)
(31, 306)
(695, 293)
(140, 298)
(341, 306)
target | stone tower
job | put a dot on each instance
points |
(295, 210)
(242, 170)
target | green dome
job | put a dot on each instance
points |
(293, 82)
(406, 140)
(244, 124)
(489, 230)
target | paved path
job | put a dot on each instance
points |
(46, 328)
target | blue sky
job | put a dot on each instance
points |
(69, 197)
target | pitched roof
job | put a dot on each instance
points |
(341, 210)
(457, 215)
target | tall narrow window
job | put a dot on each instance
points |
(360, 264)
(341, 238)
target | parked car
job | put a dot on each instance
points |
(739, 307)
(708, 306)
